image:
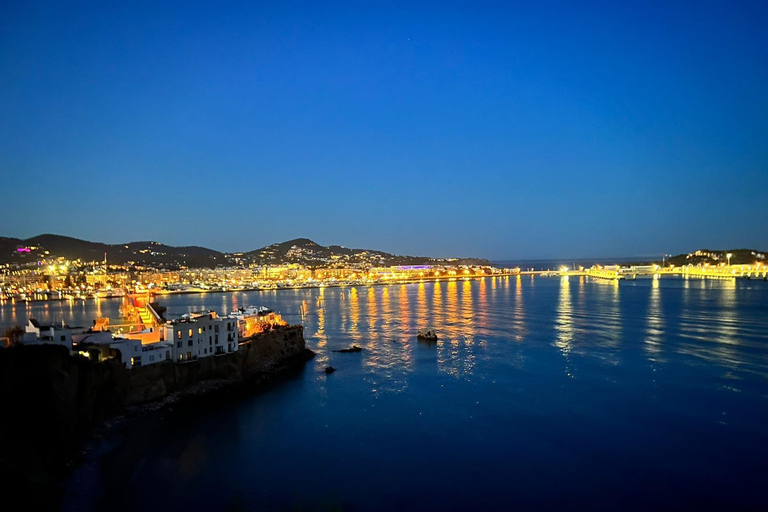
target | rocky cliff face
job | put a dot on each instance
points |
(52, 400)
(267, 350)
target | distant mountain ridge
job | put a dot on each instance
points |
(715, 257)
(141, 253)
(300, 251)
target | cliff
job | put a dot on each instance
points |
(51, 400)
(150, 383)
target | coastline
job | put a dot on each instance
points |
(201, 291)
(64, 406)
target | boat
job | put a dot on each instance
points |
(427, 335)
(251, 312)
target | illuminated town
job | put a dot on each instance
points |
(57, 278)
(68, 280)
(489, 256)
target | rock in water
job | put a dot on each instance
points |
(353, 348)
(329, 370)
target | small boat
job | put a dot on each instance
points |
(427, 334)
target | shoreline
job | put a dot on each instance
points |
(78, 402)
(278, 288)
(119, 442)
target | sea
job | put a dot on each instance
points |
(541, 393)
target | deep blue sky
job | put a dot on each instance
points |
(560, 129)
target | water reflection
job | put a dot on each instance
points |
(354, 313)
(654, 330)
(697, 321)
(438, 311)
(564, 323)
(421, 306)
(456, 349)
(404, 312)
(320, 335)
(711, 328)
(388, 360)
(373, 315)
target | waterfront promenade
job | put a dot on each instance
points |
(758, 271)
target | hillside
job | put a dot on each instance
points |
(154, 254)
(300, 251)
(311, 254)
(715, 257)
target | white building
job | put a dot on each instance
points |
(197, 335)
(100, 345)
(153, 353)
(39, 334)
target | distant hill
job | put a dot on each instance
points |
(305, 252)
(154, 254)
(14, 250)
(714, 257)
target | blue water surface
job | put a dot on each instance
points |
(541, 393)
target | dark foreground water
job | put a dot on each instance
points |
(541, 393)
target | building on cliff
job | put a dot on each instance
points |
(253, 320)
(39, 334)
(193, 336)
(101, 345)
(197, 335)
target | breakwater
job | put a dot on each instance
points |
(52, 400)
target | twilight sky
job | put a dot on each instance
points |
(530, 130)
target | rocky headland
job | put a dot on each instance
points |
(53, 401)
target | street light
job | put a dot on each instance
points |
(729, 258)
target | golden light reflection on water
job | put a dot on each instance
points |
(388, 318)
(692, 320)
(716, 337)
(612, 325)
(609, 313)
(455, 350)
(322, 338)
(564, 323)
(727, 327)
(406, 328)
(518, 319)
(354, 313)
(388, 358)
(421, 306)
(469, 311)
(437, 303)
(654, 330)
(482, 296)
(373, 314)
(404, 312)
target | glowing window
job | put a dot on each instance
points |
(190, 333)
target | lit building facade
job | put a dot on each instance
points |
(199, 335)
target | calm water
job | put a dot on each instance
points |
(541, 393)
